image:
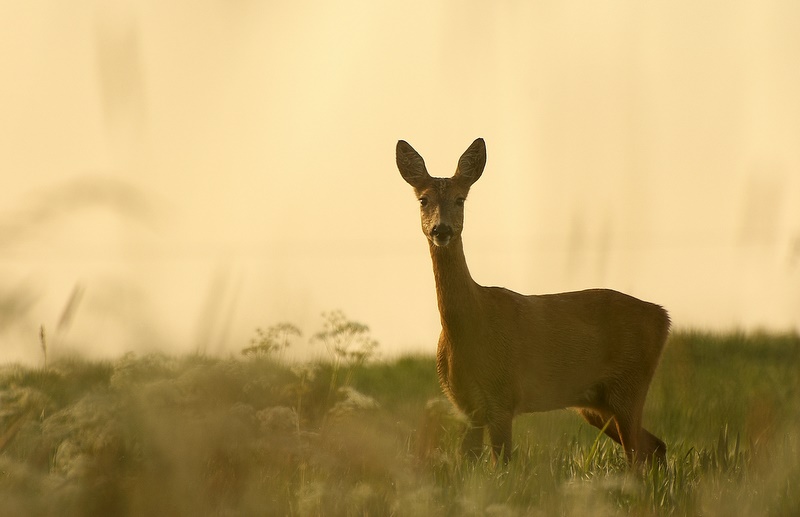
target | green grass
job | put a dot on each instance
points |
(162, 435)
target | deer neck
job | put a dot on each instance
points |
(456, 291)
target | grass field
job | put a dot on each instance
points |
(257, 435)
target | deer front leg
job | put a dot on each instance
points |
(500, 436)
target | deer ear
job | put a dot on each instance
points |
(411, 165)
(472, 162)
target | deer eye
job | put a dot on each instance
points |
(423, 201)
(460, 202)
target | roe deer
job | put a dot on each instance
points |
(501, 353)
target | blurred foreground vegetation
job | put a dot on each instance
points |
(260, 435)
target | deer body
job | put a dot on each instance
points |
(502, 353)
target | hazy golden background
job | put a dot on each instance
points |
(199, 168)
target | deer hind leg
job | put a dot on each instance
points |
(629, 430)
(472, 445)
(650, 446)
(640, 445)
(653, 447)
(599, 419)
(626, 406)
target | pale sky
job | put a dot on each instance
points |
(202, 168)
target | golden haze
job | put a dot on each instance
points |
(202, 169)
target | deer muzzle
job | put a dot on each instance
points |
(441, 234)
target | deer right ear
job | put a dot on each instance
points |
(472, 162)
(411, 165)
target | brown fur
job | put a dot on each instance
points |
(501, 353)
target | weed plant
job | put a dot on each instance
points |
(260, 435)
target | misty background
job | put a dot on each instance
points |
(176, 174)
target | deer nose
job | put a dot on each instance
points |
(442, 230)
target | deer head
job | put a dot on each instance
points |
(441, 200)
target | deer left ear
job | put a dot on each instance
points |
(472, 162)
